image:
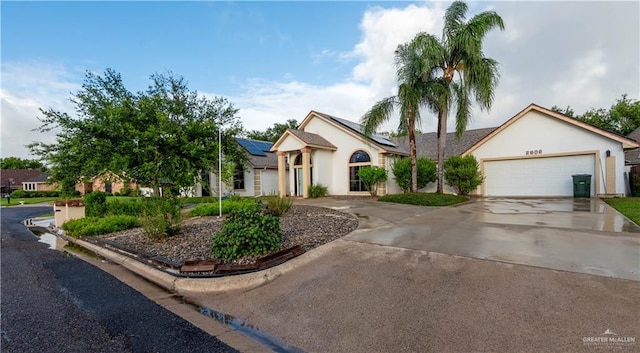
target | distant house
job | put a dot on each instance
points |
(105, 182)
(24, 179)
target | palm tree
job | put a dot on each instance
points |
(413, 92)
(458, 63)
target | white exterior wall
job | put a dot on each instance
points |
(322, 163)
(347, 144)
(269, 181)
(392, 186)
(537, 131)
(248, 184)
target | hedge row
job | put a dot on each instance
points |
(22, 194)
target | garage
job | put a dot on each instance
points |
(546, 176)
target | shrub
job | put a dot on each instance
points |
(246, 233)
(401, 169)
(95, 226)
(161, 217)
(423, 199)
(278, 205)
(463, 173)
(131, 207)
(19, 194)
(211, 209)
(317, 190)
(95, 204)
(371, 176)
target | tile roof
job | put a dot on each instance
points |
(42, 178)
(427, 144)
(635, 135)
(18, 176)
(632, 157)
(311, 138)
(263, 159)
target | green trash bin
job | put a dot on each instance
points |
(582, 185)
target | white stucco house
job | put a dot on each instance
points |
(536, 152)
(330, 151)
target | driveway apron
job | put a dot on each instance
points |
(577, 235)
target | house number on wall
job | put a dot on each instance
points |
(532, 152)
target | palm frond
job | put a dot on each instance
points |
(454, 18)
(483, 77)
(377, 115)
(463, 107)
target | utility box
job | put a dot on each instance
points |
(582, 185)
(65, 210)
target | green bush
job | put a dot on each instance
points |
(401, 169)
(161, 217)
(371, 176)
(278, 205)
(423, 199)
(463, 173)
(246, 233)
(95, 226)
(22, 194)
(317, 190)
(211, 209)
(132, 207)
(95, 204)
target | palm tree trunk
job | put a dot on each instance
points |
(442, 143)
(412, 151)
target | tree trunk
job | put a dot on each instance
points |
(412, 151)
(442, 143)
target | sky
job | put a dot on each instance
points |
(279, 60)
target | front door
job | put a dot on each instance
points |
(299, 179)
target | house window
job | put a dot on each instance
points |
(238, 179)
(358, 160)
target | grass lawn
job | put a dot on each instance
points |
(424, 199)
(628, 206)
(27, 201)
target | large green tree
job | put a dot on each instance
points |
(166, 134)
(622, 117)
(273, 133)
(413, 93)
(457, 61)
(19, 163)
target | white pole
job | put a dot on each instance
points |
(220, 171)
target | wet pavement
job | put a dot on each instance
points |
(577, 235)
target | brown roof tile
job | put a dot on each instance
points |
(18, 176)
(311, 138)
(427, 144)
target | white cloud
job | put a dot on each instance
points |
(26, 88)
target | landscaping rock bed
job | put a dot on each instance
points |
(307, 226)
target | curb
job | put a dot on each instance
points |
(183, 286)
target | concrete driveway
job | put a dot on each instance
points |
(577, 235)
(397, 285)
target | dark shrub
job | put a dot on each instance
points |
(317, 190)
(277, 205)
(401, 169)
(95, 204)
(463, 173)
(246, 233)
(130, 207)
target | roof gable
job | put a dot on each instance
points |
(635, 134)
(384, 144)
(626, 142)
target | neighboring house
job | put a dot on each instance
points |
(259, 177)
(632, 157)
(24, 179)
(105, 182)
(536, 152)
(330, 151)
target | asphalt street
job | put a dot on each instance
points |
(54, 302)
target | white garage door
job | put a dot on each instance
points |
(537, 176)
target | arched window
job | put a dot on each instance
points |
(358, 160)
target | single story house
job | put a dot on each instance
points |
(105, 182)
(534, 153)
(258, 178)
(25, 179)
(330, 151)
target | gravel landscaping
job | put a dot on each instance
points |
(307, 226)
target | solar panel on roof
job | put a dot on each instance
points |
(251, 147)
